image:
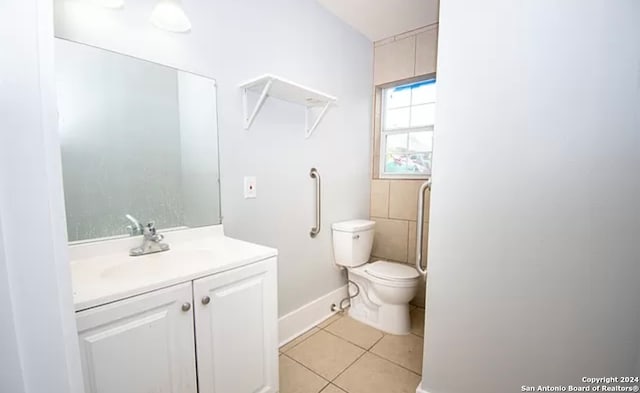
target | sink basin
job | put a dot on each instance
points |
(103, 272)
(172, 262)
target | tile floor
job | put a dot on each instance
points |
(342, 355)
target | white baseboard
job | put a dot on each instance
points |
(304, 318)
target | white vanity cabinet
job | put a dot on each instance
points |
(236, 321)
(141, 344)
(219, 330)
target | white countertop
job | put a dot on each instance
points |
(103, 272)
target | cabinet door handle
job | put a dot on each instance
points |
(206, 300)
(186, 306)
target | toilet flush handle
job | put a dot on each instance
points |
(356, 237)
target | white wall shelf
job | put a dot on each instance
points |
(273, 86)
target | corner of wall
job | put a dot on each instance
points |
(402, 58)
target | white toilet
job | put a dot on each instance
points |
(385, 288)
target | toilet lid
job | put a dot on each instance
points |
(392, 271)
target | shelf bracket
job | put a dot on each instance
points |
(310, 130)
(248, 119)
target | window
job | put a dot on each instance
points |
(406, 133)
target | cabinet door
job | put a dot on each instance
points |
(236, 330)
(138, 345)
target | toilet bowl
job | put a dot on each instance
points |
(384, 288)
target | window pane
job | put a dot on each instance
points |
(398, 96)
(397, 143)
(423, 94)
(420, 148)
(409, 109)
(396, 163)
(421, 141)
(419, 163)
(396, 118)
(396, 154)
(423, 115)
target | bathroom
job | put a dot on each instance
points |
(257, 268)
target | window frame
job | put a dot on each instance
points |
(383, 137)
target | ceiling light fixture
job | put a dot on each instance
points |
(169, 15)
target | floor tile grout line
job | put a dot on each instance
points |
(306, 338)
(351, 342)
(395, 363)
(348, 367)
(356, 359)
(364, 351)
(336, 315)
(392, 361)
(332, 381)
(314, 372)
(337, 387)
(324, 387)
(332, 322)
(374, 354)
(376, 343)
(383, 333)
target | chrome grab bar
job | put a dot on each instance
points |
(419, 226)
(316, 229)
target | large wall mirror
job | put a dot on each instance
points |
(137, 138)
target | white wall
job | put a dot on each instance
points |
(535, 225)
(11, 375)
(235, 41)
(39, 351)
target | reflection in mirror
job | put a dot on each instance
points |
(137, 138)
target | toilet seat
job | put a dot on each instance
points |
(392, 271)
(390, 274)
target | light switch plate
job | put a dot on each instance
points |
(249, 187)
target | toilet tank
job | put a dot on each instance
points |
(352, 242)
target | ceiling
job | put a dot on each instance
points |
(379, 19)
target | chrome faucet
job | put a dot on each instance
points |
(151, 241)
(135, 228)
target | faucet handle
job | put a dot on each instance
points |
(151, 227)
